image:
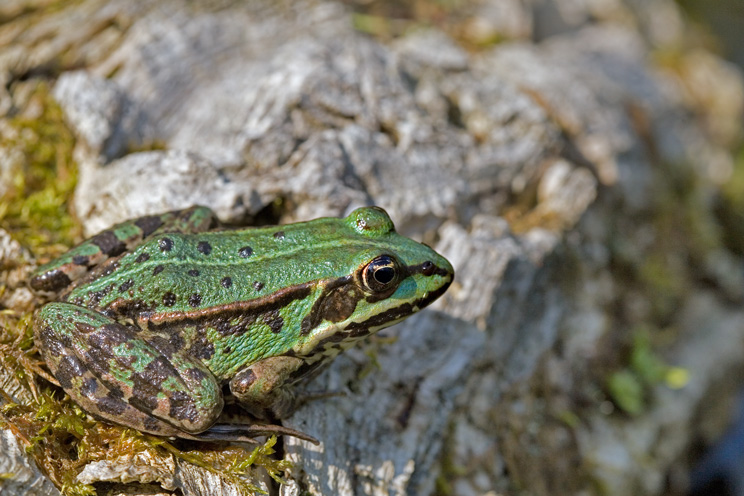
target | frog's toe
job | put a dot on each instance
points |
(247, 433)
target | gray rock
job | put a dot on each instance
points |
(567, 181)
(25, 477)
(101, 114)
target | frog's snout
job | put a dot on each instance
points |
(438, 275)
(438, 266)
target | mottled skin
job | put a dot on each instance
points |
(155, 316)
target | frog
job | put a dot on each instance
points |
(159, 322)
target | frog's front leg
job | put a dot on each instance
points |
(264, 388)
(109, 370)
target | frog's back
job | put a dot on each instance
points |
(67, 271)
(185, 272)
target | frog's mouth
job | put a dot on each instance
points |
(394, 315)
(339, 335)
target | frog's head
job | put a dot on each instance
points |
(387, 277)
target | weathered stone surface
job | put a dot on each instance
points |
(14, 270)
(25, 477)
(139, 467)
(568, 182)
(100, 113)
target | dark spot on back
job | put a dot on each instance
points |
(89, 387)
(197, 374)
(226, 282)
(245, 252)
(169, 299)
(146, 385)
(166, 244)
(201, 348)
(108, 267)
(307, 325)
(227, 350)
(50, 281)
(95, 297)
(108, 243)
(143, 257)
(279, 235)
(69, 367)
(176, 341)
(182, 406)
(130, 308)
(151, 424)
(126, 285)
(148, 224)
(80, 260)
(195, 300)
(157, 270)
(194, 273)
(228, 325)
(258, 285)
(204, 247)
(274, 321)
(112, 403)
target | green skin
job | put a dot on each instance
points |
(156, 315)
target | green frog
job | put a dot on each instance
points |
(159, 321)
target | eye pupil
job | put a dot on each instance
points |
(381, 275)
(384, 275)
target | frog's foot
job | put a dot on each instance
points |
(248, 433)
(111, 372)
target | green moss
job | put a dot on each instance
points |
(630, 387)
(626, 390)
(570, 418)
(644, 362)
(36, 209)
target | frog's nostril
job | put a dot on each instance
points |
(427, 268)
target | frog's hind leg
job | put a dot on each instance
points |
(112, 373)
(114, 241)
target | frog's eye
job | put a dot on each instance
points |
(381, 274)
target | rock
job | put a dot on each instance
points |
(14, 270)
(101, 114)
(567, 181)
(25, 477)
